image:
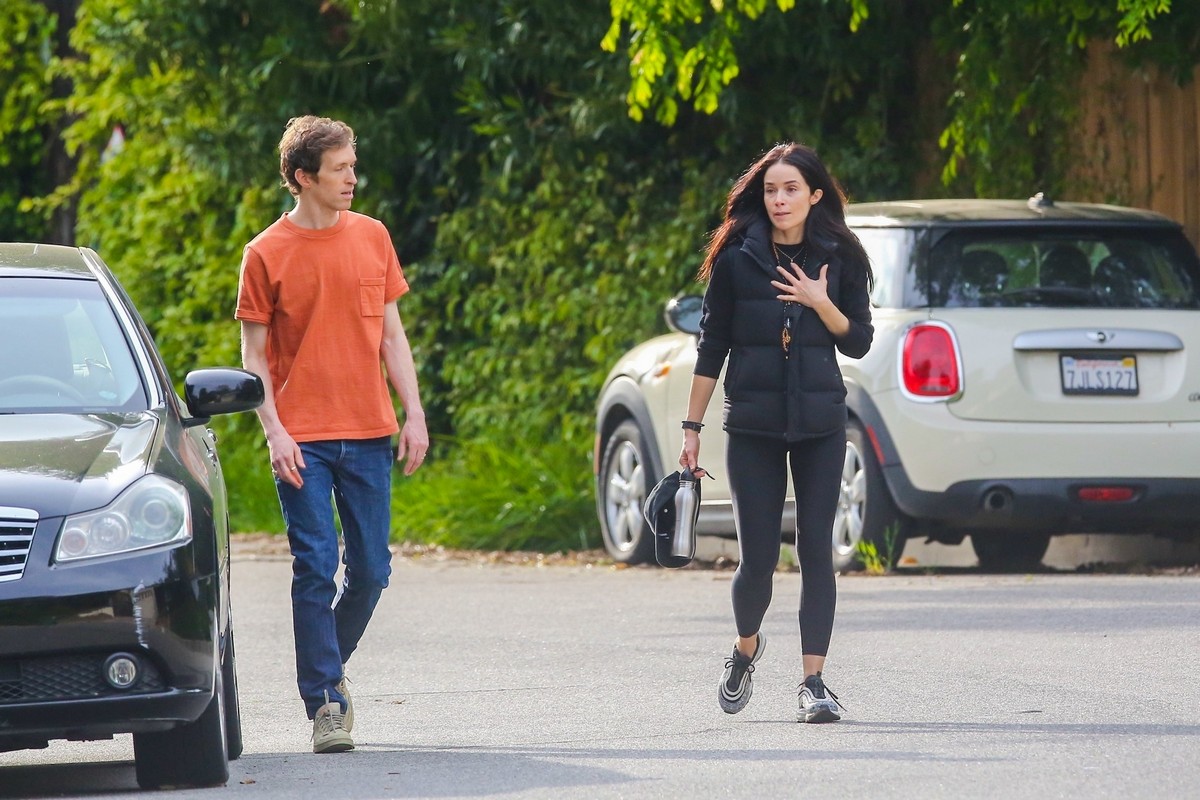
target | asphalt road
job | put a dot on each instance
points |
(480, 680)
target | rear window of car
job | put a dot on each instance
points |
(1081, 268)
(73, 356)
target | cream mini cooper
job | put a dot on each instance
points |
(1035, 371)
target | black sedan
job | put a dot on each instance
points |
(114, 539)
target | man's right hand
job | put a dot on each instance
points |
(286, 459)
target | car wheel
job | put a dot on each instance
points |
(1010, 552)
(233, 709)
(196, 754)
(866, 512)
(621, 488)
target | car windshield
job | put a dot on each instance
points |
(63, 350)
(1082, 269)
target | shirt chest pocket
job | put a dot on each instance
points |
(371, 296)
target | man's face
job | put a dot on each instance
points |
(333, 185)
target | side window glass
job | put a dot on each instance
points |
(890, 251)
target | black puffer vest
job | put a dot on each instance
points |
(798, 397)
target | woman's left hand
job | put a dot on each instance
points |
(797, 287)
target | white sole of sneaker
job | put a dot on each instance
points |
(730, 705)
(817, 716)
(337, 746)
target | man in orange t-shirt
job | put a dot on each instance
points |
(317, 303)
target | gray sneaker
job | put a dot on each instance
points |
(736, 686)
(343, 688)
(817, 702)
(329, 729)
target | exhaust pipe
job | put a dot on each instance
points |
(997, 499)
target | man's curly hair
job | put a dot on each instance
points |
(305, 140)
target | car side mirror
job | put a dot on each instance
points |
(220, 390)
(683, 313)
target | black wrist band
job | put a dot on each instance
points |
(688, 425)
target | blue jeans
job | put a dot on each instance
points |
(327, 625)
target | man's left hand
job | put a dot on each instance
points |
(413, 445)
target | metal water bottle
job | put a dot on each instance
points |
(683, 543)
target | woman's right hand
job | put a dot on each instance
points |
(689, 457)
(699, 395)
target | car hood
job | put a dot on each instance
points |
(60, 464)
(652, 357)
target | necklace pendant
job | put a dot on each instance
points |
(785, 337)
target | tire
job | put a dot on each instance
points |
(1010, 552)
(196, 754)
(866, 511)
(624, 481)
(233, 709)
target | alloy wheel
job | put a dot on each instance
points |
(852, 505)
(625, 496)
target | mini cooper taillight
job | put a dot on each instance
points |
(930, 364)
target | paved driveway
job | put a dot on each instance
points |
(573, 681)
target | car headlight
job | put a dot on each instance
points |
(152, 512)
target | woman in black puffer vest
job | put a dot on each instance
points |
(788, 282)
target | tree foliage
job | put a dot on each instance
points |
(1014, 66)
(1018, 64)
(26, 49)
(686, 49)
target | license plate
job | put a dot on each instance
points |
(1099, 375)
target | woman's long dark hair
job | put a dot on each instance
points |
(826, 223)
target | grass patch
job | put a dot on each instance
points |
(490, 495)
(876, 560)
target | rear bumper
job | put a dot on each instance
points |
(1167, 506)
(964, 475)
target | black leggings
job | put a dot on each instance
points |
(757, 469)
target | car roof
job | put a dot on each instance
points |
(924, 213)
(28, 260)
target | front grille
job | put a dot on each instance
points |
(16, 535)
(81, 677)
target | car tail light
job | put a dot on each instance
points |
(1107, 494)
(930, 365)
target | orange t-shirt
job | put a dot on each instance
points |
(322, 294)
